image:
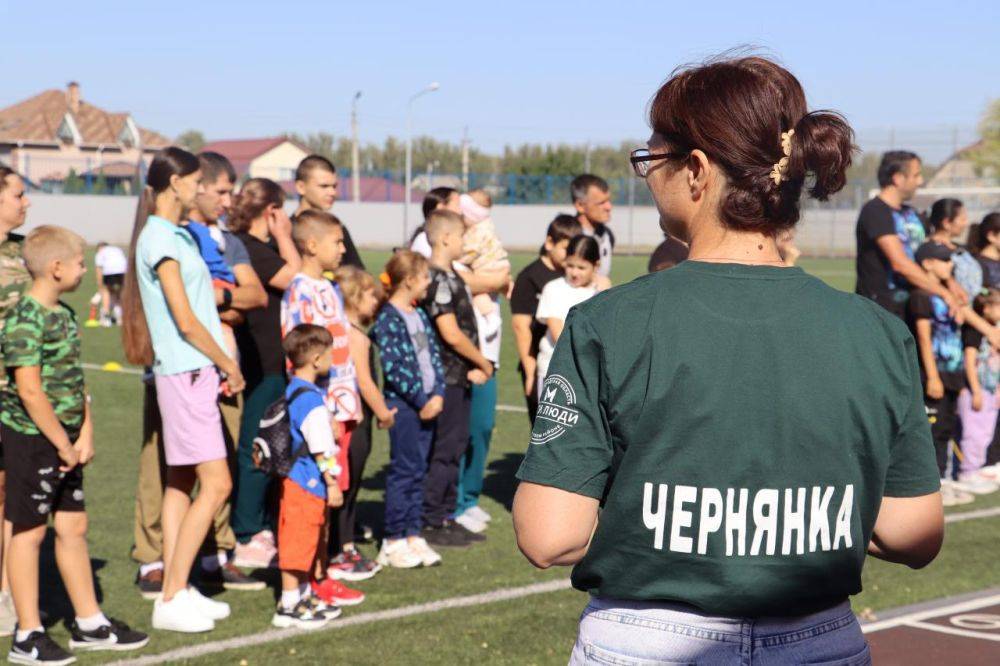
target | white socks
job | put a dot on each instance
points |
(289, 598)
(92, 623)
(144, 569)
(20, 636)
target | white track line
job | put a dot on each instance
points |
(972, 515)
(954, 631)
(910, 618)
(274, 635)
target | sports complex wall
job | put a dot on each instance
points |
(109, 218)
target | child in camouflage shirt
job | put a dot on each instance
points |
(47, 433)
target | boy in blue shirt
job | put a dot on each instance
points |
(311, 484)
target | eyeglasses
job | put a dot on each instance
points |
(641, 157)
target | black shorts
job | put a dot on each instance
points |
(35, 486)
(113, 282)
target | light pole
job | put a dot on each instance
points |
(355, 168)
(409, 156)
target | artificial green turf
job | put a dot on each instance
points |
(538, 629)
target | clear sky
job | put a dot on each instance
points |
(513, 71)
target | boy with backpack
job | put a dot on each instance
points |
(309, 467)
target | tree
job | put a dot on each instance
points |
(73, 183)
(192, 140)
(100, 185)
(986, 155)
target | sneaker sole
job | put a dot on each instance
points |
(254, 586)
(283, 622)
(347, 602)
(183, 630)
(352, 576)
(252, 564)
(18, 659)
(88, 646)
(150, 596)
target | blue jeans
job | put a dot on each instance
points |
(409, 446)
(630, 633)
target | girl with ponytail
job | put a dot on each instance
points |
(704, 409)
(171, 324)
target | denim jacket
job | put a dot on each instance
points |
(400, 367)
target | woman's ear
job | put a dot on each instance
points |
(700, 172)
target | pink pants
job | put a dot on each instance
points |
(977, 429)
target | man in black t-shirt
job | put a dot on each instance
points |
(888, 234)
(528, 331)
(592, 200)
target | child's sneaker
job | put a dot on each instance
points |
(990, 472)
(210, 608)
(471, 523)
(38, 648)
(396, 553)
(334, 592)
(150, 584)
(352, 565)
(180, 614)
(323, 609)
(951, 496)
(229, 577)
(478, 513)
(975, 484)
(302, 616)
(428, 556)
(257, 553)
(116, 636)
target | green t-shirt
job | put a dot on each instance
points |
(35, 335)
(740, 425)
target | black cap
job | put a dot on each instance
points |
(933, 250)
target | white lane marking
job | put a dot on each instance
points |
(512, 408)
(910, 618)
(274, 635)
(954, 631)
(972, 515)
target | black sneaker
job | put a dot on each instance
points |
(444, 535)
(302, 616)
(151, 585)
(228, 576)
(116, 636)
(469, 536)
(38, 648)
(323, 609)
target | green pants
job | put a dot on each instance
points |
(472, 467)
(250, 509)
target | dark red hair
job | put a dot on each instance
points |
(735, 110)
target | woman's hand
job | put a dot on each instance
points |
(935, 388)
(278, 223)
(977, 400)
(234, 382)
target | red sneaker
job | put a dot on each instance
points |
(334, 592)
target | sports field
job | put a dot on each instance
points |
(530, 629)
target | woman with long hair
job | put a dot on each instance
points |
(171, 324)
(747, 432)
(949, 222)
(259, 220)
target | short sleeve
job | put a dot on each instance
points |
(876, 221)
(265, 261)
(913, 469)
(22, 339)
(971, 337)
(524, 298)
(441, 297)
(920, 306)
(570, 445)
(421, 245)
(317, 432)
(157, 247)
(236, 252)
(553, 303)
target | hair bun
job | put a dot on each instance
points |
(822, 147)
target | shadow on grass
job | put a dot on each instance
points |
(500, 482)
(52, 598)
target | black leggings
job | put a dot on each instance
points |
(342, 526)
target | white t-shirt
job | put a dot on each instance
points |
(556, 300)
(421, 245)
(111, 260)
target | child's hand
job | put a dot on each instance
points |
(977, 400)
(387, 419)
(84, 446)
(334, 496)
(477, 376)
(431, 410)
(70, 458)
(935, 388)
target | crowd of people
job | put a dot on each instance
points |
(258, 332)
(915, 266)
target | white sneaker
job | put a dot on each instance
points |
(428, 556)
(950, 496)
(180, 614)
(210, 608)
(975, 484)
(990, 472)
(478, 513)
(470, 523)
(396, 553)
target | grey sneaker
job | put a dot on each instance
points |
(8, 618)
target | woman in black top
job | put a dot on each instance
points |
(260, 222)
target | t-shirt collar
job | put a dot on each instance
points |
(744, 271)
(176, 228)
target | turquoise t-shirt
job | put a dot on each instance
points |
(159, 241)
(740, 426)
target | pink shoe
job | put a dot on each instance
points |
(258, 553)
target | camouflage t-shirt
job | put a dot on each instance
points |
(35, 335)
(14, 279)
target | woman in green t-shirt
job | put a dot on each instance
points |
(718, 446)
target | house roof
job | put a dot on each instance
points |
(38, 119)
(241, 152)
